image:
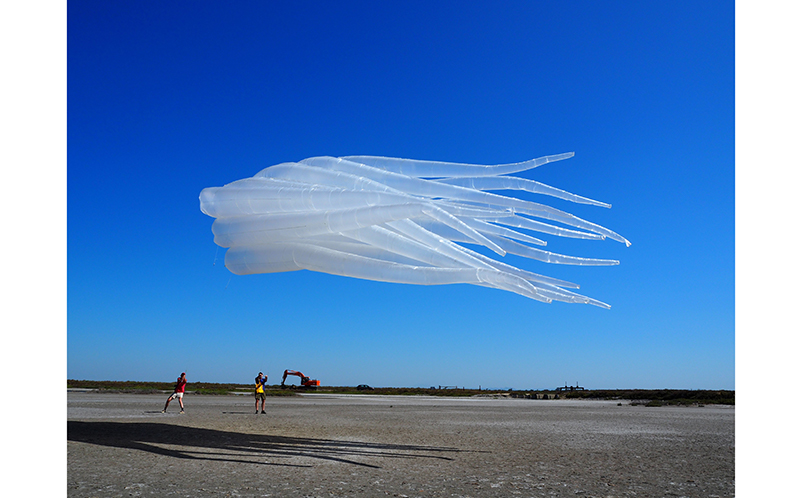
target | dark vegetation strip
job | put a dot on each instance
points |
(649, 397)
(652, 397)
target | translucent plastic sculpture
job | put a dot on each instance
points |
(398, 220)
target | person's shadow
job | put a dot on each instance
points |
(208, 444)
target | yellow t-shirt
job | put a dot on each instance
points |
(259, 387)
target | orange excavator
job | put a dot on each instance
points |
(305, 381)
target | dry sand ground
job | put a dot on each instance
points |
(332, 445)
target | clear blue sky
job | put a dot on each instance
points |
(167, 98)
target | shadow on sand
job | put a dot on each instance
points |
(208, 444)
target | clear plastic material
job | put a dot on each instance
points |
(398, 220)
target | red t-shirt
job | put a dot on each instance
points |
(180, 385)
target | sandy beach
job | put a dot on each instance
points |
(319, 445)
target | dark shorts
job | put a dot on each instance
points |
(259, 396)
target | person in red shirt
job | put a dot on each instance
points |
(180, 385)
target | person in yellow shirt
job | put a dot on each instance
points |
(260, 391)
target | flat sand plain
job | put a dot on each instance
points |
(320, 445)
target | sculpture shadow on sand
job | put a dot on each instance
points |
(209, 444)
